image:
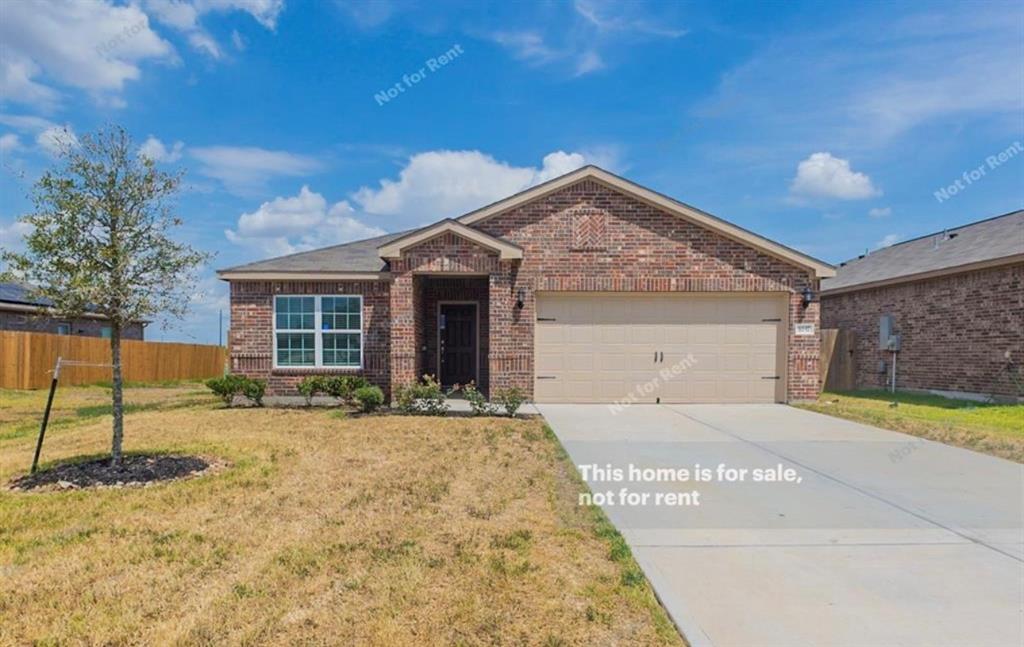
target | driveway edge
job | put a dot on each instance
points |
(673, 604)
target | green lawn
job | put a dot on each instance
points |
(996, 429)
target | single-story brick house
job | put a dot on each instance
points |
(19, 310)
(956, 300)
(587, 288)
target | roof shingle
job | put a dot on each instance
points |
(357, 256)
(986, 240)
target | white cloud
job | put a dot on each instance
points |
(9, 142)
(822, 175)
(440, 184)
(526, 46)
(289, 224)
(93, 46)
(237, 40)
(12, 235)
(25, 123)
(874, 77)
(368, 15)
(603, 16)
(588, 62)
(204, 42)
(245, 169)
(155, 150)
(185, 15)
(595, 26)
(56, 139)
(16, 83)
(265, 12)
(879, 212)
(888, 241)
(433, 185)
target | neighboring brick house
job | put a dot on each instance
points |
(20, 311)
(957, 302)
(587, 288)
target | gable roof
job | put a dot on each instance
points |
(986, 243)
(338, 261)
(393, 248)
(363, 259)
(657, 200)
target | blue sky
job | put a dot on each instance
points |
(826, 126)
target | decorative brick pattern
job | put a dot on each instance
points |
(956, 330)
(589, 228)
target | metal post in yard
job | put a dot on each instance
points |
(46, 416)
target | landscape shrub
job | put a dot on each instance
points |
(254, 390)
(478, 403)
(423, 398)
(343, 387)
(368, 398)
(510, 399)
(227, 387)
(312, 385)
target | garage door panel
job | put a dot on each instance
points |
(603, 347)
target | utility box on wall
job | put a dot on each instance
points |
(885, 331)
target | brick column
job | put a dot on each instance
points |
(511, 330)
(500, 305)
(403, 332)
(804, 351)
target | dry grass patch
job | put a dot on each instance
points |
(385, 530)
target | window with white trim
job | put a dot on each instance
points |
(318, 331)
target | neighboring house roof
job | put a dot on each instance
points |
(19, 293)
(16, 296)
(986, 243)
(363, 259)
(394, 248)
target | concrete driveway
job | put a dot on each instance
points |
(886, 540)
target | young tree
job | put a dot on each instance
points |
(100, 242)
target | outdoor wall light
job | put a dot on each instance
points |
(808, 297)
(520, 298)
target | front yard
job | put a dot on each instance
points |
(996, 429)
(382, 530)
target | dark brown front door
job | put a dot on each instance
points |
(457, 349)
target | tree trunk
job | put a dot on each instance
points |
(118, 404)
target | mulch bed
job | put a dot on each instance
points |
(134, 470)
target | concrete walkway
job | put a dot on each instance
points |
(887, 540)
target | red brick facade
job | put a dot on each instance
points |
(628, 246)
(956, 330)
(252, 330)
(584, 237)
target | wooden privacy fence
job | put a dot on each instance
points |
(26, 359)
(838, 363)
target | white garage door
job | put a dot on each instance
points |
(693, 347)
